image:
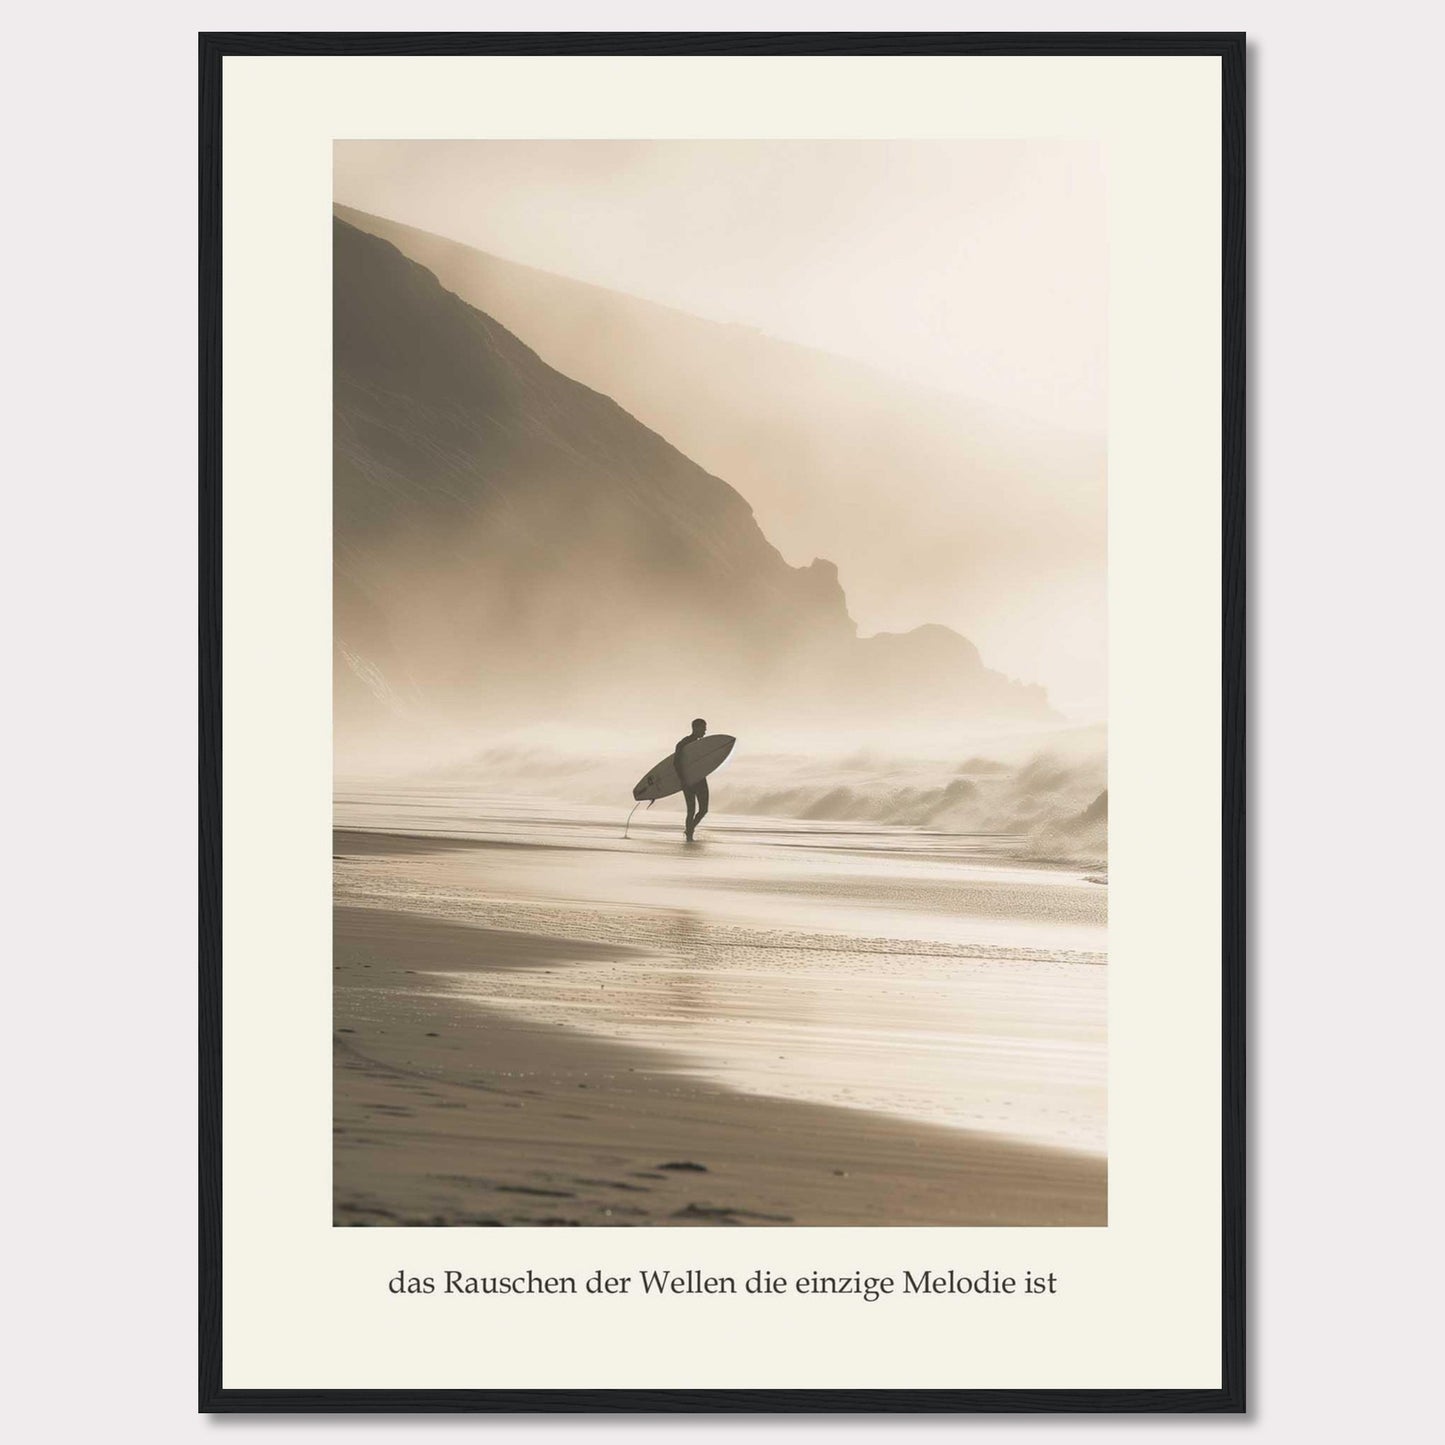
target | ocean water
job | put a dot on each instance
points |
(926, 975)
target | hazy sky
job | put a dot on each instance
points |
(974, 266)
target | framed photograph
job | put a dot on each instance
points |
(722, 722)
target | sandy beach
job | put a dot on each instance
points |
(541, 1022)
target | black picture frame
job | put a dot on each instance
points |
(1229, 1397)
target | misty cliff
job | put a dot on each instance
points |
(935, 507)
(510, 544)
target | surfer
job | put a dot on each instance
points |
(694, 794)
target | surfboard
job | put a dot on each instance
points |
(699, 758)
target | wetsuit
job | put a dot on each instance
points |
(695, 794)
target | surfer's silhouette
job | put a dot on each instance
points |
(694, 794)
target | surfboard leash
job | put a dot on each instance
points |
(635, 807)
